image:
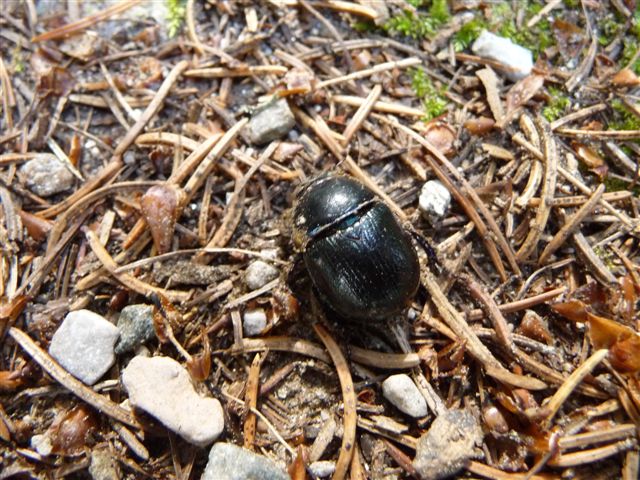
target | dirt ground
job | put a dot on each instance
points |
(133, 171)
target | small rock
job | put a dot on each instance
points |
(434, 200)
(322, 469)
(83, 345)
(230, 462)
(41, 444)
(259, 273)
(503, 50)
(45, 175)
(162, 387)
(254, 322)
(272, 121)
(404, 395)
(448, 445)
(136, 327)
(104, 465)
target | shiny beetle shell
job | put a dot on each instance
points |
(360, 260)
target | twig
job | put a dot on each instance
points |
(251, 401)
(407, 62)
(361, 114)
(571, 224)
(349, 403)
(75, 386)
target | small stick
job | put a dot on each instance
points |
(583, 112)
(75, 386)
(379, 106)
(361, 114)
(405, 63)
(245, 71)
(577, 376)
(78, 26)
(594, 455)
(571, 224)
(349, 402)
(128, 280)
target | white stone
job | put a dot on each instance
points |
(434, 200)
(259, 273)
(84, 345)
(41, 444)
(162, 387)
(322, 469)
(230, 462)
(254, 322)
(404, 395)
(45, 175)
(503, 50)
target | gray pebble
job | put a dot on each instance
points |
(45, 175)
(259, 273)
(272, 121)
(404, 395)
(104, 465)
(136, 327)
(230, 462)
(83, 345)
(323, 468)
(254, 322)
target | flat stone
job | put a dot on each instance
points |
(270, 122)
(517, 58)
(254, 322)
(83, 345)
(136, 327)
(45, 175)
(162, 387)
(230, 462)
(259, 273)
(434, 200)
(104, 465)
(448, 446)
(322, 468)
(404, 395)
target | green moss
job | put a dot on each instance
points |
(613, 184)
(363, 26)
(623, 118)
(433, 99)
(175, 18)
(17, 60)
(464, 37)
(420, 25)
(557, 105)
(502, 21)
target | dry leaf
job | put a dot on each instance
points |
(625, 78)
(441, 135)
(573, 310)
(160, 206)
(200, 365)
(623, 343)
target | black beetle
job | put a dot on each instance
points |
(360, 260)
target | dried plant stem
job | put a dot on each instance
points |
(349, 403)
(75, 386)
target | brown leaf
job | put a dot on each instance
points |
(625, 78)
(441, 135)
(160, 206)
(623, 343)
(10, 380)
(573, 310)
